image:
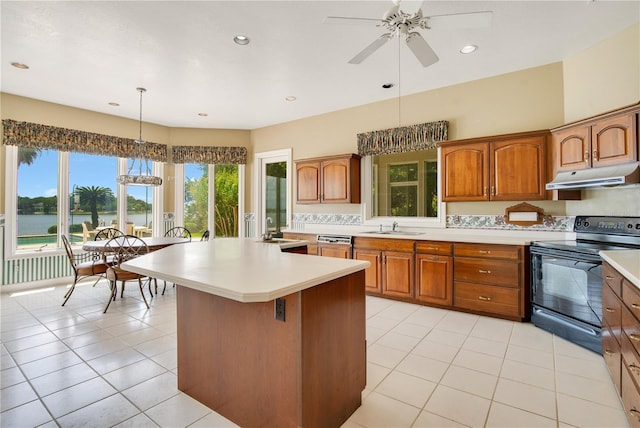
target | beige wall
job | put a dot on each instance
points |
(604, 77)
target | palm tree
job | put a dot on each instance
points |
(93, 195)
(27, 155)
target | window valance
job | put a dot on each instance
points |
(209, 155)
(37, 136)
(404, 139)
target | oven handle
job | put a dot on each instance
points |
(570, 255)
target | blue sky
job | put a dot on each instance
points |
(40, 178)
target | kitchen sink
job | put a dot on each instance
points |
(394, 232)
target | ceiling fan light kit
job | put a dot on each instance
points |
(398, 23)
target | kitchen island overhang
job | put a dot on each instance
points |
(234, 355)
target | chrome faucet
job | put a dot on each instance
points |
(266, 236)
(394, 226)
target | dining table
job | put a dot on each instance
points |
(153, 244)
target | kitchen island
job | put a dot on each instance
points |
(266, 338)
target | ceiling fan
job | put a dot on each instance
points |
(404, 24)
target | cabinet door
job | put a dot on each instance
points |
(518, 169)
(308, 182)
(571, 148)
(614, 140)
(465, 175)
(372, 274)
(434, 279)
(335, 176)
(397, 274)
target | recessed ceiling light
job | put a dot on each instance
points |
(468, 49)
(241, 40)
(112, 103)
(203, 114)
(20, 65)
(388, 85)
(290, 98)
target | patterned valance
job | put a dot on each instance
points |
(34, 135)
(209, 155)
(405, 139)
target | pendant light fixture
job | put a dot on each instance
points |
(143, 176)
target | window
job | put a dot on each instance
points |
(37, 216)
(273, 200)
(49, 192)
(211, 196)
(403, 185)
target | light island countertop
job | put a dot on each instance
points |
(627, 262)
(241, 269)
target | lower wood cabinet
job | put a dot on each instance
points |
(392, 266)
(337, 251)
(491, 279)
(312, 247)
(434, 272)
(621, 338)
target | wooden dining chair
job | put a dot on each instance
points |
(82, 269)
(124, 248)
(108, 233)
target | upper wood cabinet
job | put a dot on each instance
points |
(502, 168)
(334, 179)
(608, 139)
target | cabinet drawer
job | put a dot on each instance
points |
(613, 278)
(612, 354)
(631, 297)
(383, 244)
(508, 252)
(434, 247)
(630, 397)
(494, 272)
(630, 328)
(487, 298)
(612, 311)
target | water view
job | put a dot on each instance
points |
(39, 224)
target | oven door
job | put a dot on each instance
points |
(566, 295)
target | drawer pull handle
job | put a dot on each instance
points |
(595, 155)
(609, 277)
(609, 353)
(634, 412)
(586, 157)
(635, 306)
(634, 337)
(488, 299)
(484, 271)
(484, 252)
(634, 368)
(611, 311)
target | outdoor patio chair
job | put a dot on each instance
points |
(82, 269)
(88, 232)
(205, 235)
(124, 248)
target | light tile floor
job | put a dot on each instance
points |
(75, 366)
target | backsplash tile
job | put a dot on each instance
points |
(549, 223)
(300, 219)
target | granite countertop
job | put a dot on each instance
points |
(241, 269)
(627, 262)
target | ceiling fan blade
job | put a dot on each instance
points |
(458, 21)
(421, 49)
(364, 54)
(342, 20)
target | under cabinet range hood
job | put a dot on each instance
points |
(614, 175)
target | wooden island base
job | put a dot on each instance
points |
(241, 362)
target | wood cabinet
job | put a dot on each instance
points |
(491, 279)
(392, 265)
(334, 179)
(604, 140)
(332, 250)
(502, 168)
(621, 338)
(434, 272)
(312, 247)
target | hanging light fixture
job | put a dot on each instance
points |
(143, 176)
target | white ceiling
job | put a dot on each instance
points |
(88, 53)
